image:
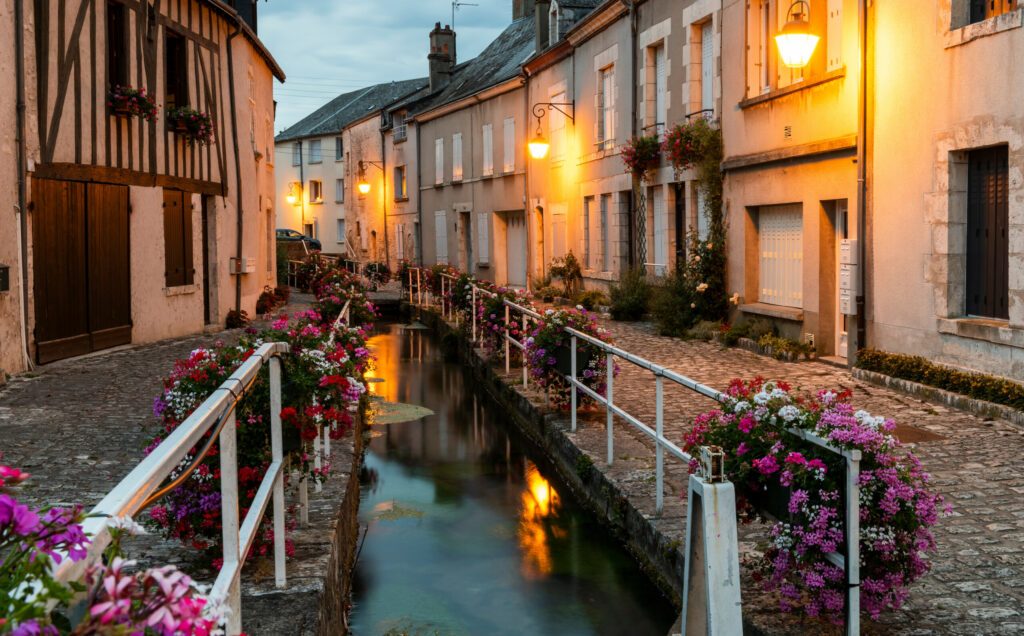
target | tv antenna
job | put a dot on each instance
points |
(455, 7)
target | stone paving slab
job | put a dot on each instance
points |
(977, 582)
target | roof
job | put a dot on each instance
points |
(349, 108)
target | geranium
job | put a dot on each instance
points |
(688, 143)
(642, 155)
(195, 126)
(491, 320)
(548, 353)
(798, 483)
(134, 102)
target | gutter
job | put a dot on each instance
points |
(862, 187)
(419, 200)
(240, 222)
(19, 57)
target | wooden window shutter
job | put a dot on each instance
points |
(174, 258)
(188, 268)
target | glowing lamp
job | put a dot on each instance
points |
(796, 42)
(363, 186)
(291, 199)
(539, 146)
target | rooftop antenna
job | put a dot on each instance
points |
(455, 7)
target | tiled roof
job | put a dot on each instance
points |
(348, 108)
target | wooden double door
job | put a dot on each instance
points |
(81, 267)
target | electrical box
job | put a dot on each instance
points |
(849, 279)
(848, 252)
(847, 304)
(245, 265)
(5, 278)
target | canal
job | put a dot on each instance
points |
(466, 534)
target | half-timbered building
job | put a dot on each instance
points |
(135, 228)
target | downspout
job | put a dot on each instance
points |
(302, 191)
(384, 194)
(530, 213)
(238, 163)
(19, 57)
(862, 186)
(419, 199)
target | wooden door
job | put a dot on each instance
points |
(988, 247)
(80, 267)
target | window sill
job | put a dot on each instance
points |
(774, 311)
(314, 163)
(402, 200)
(181, 290)
(830, 76)
(487, 176)
(399, 140)
(483, 265)
(320, 202)
(599, 275)
(988, 329)
(998, 24)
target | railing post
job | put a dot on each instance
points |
(522, 341)
(853, 544)
(303, 499)
(277, 457)
(229, 520)
(474, 314)
(317, 458)
(611, 416)
(572, 382)
(508, 364)
(659, 453)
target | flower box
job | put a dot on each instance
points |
(563, 359)
(772, 500)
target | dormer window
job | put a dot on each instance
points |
(553, 34)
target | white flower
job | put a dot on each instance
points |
(761, 398)
(711, 245)
(741, 406)
(779, 394)
(548, 312)
(703, 287)
(735, 299)
(696, 258)
(126, 524)
(789, 413)
(693, 305)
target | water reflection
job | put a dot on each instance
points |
(466, 535)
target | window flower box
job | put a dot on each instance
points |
(196, 127)
(125, 101)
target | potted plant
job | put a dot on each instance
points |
(196, 127)
(642, 155)
(549, 354)
(688, 143)
(125, 101)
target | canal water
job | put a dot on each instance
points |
(467, 535)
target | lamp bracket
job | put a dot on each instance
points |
(541, 108)
(376, 164)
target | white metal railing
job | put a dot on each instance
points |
(850, 562)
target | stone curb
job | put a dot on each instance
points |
(974, 406)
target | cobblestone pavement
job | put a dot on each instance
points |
(977, 582)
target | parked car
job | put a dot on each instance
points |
(295, 235)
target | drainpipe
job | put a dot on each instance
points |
(19, 57)
(862, 187)
(238, 161)
(384, 194)
(419, 200)
(302, 191)
(528, 211)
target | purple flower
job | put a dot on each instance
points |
(16, 516)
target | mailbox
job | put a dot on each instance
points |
(5, 278)
(847, 305)
(848, 252)
(848, 279)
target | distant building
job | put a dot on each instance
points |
(130, 230)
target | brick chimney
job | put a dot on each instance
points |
(522, 8)
(542, 22)
(442, 56)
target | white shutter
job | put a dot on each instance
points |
(510, 145)
(609, 106)
(488, 150)
(441, 236)
(457, 157)
(660, 232)
(780, 239)
(702, 214)
(707, 75)
(558, 228)
(833, 35)
(660, 88)
(483, 232)
(557, 126)
(438, 161)
(606, 259)
(400, 240)
(587, 258)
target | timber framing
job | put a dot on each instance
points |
(121, 176)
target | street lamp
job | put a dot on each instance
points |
(539, 146)
(796, 42)
(292, 199)
(363, 185)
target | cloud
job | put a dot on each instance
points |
(329, 47)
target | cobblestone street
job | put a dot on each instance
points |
(977, 582)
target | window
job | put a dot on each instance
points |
(339, 148)
(553, 28)
(781, 249)
(557, 128)
(316, 191)
(309, 230)
(339, 190)
(483, 232)
(297, 153)
(985, 9)
(606, 107)
(658, 67)
(400, 187)
(438, 161)
(175, 71)
(340, 230)
(707, 67)
(117, 45)
(587, 258)
(488, 168)
(314, 151)
(441, 236)
(457, 157)
(400, 239)
(988, 247)
(606, 246)
(178, 267)
(765, 18)
(510, 145)
(401, 128)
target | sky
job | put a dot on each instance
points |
(329, 47)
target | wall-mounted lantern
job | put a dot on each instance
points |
(539, 146)
(796, 42)
(292, 198)
(363, 185)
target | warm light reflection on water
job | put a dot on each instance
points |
(540, 506)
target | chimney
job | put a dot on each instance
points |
(442, 56)
(542, 21)
(522, 8)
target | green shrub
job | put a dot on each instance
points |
(549, 293)
(630, 295)
(733, 334)
(568, 270)
(591, 300)
(922, 371)
(784, 348)
(674, 304)
(704, 330)
(758, 328)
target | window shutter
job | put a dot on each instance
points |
(438, 161)
(780, 238)
(457, 157)
(484, 238)
(707, 75)
(660, 232)
(441, 236)
(510, 145)
(488, 167)
(833, 35)
(188, 270)
(660, 89)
